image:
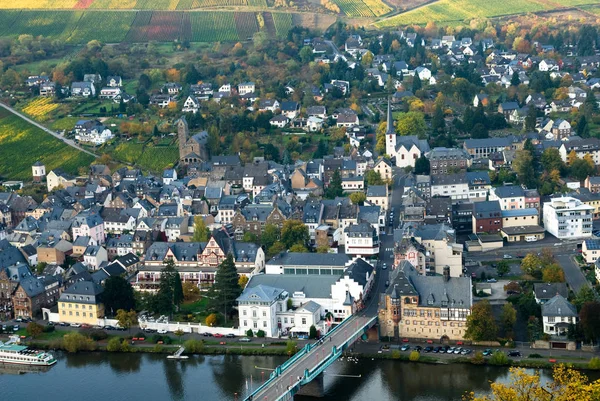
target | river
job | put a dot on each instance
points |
(149, 377)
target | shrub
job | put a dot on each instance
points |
(158, 348)
(114, 345)
(312, 332)
(34, 329)
(250, 333)
(97, 334)
(594, 363)
(212, 320)
(193, 346)
(396, 354)
(140, 334)
(49, 329)
(478, 359)
(291, 347)
(414, 356)
(260, 333)
(125, 347)
(74, 342)
(499, 358)
(536, 356)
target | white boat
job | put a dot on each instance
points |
(15, 354)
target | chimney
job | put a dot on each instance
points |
(446, 273)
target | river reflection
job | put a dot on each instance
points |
(148, 377)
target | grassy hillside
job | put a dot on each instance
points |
(21, 144)
(460, 10)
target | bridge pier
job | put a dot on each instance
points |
(314, 389)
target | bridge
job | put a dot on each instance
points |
(308, 363)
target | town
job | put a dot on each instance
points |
(442, 184)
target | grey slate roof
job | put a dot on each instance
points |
(559, 306)
(32, 285)
(546, 291)
(310, 259)
(509, 191)
(260, 293)
(82, 292)
(313, 286)
(358, 271)
(376, 190)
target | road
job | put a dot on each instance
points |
(573, 273)
(295, 373)
(69, 142)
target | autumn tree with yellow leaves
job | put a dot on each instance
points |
(567, 385)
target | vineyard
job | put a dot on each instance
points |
(146, 156)
(460, 10)
(283, 23)
(40, 108)
(17, 135)
(363, 8)
(128, 4)
(138, 26)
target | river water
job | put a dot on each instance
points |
(149, 377)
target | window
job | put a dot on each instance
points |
(264, 313)
(303, 320)
(265, 323)
(254, 313)
(255, 325)
(245, 323)
(244, 312)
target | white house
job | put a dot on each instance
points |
(557, 315)
(94, 256)
(110, 92)
(191, 105)
(85, 89)
(96, 135)
(114, 81)
(424, 73)
(548, 65)
(568, 218)
(258, 307)
(314, 124)
(279, 121)
(361, 240)
(246, 87)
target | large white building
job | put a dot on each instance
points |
(405, 150)
(568, 218)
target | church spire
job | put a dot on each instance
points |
(390, 121)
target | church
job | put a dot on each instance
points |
(405, 150)
(192, 150)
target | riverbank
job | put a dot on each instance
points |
(359, 351)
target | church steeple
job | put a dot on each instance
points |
(390, 120)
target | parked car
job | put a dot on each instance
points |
(450, 350)
(487, 352)
(150, 330)
(162, 331)
(465, 351)
(19, 319)
(418, 348)
(405, 347)
(230, 335)
(428, 349)
(514, 353)
(108, 327)
(384, 266)
(507, 256)
(218, 335)
(457, 350)
(436, 350)
(16, 327)
(76, 325)
(492, 280)
(206, 334)
(245, 340)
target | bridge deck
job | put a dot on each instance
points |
(318, 357)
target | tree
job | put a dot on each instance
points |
(201, 232)
(422, 166)
(212, 320)
(34, 329)
(585, 294)
(358, 198)
(249, 237)
(481, 325)
(74, 342)
(226, 288)
(567, 384)
(416, 83)
(294, 232)
(438, 123)
(508, 319)
(271, 233)
(249, 333)
(276, 248)
(581, 169)
(531, 264)
(323, 249)
(373, 177)
(306, 54)
(291, 347)
(126, 319)
(367, 59)
(298, 248)
(411, 123)
(515, 80)
(117, 294)
(170, 291)
(553, 274)
(114, 344)
(531, 118)
(589, 316)
(179, 333)
(523, 166)
(414, 356)
(312, 334)
(260, 334)
(190, 291)
(551, 160)
(479, 131)
(334, 189)
(503, 267)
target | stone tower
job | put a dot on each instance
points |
(182, 135)
(390, 133)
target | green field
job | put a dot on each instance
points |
(146, 156)
(362, 8)
(21, 144)
(283, 23)
(79, 27)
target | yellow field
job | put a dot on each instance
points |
(114, 4)
(40, 108)
(38, 4)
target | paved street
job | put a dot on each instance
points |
(573, 274)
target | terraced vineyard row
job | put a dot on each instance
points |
(127, 4)
(363, 8)
(141, 26)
